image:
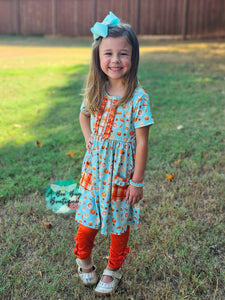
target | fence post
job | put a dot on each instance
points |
(53, 17)
(138, 16)
(94, 11)
(18, 16)
(185, 19)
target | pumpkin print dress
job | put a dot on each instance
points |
(109, 166)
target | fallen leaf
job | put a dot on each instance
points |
(177, 162)
(105, 257)
(179, 127)
(70, 153)
(207, 79)
(47, 225)
(33, 211)
(40, 273)
(39, 143)
(170, 177)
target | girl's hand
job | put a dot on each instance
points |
(89, 143)
(134, 194)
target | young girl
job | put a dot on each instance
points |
(115, 118)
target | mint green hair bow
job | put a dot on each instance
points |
(101, 29)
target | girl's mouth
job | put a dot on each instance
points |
(115, 69)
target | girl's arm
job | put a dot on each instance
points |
(135, 194)
(86, 128)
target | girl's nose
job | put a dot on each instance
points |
(115, 58)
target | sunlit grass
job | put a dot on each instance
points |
(210, 48)
(26, 57)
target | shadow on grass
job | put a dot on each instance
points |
(29, 168)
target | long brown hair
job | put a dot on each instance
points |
(97, 80)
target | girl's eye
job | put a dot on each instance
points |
(108, 53)
(123, 53)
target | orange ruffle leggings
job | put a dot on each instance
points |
(118, 248)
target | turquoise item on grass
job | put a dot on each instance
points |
(63, 196)
(101, 29)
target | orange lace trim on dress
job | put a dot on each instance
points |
(110, 118)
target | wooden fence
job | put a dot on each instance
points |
(187, 18)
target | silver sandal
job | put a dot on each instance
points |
(89, 278)
(106, 289)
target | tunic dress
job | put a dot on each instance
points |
(109, 166)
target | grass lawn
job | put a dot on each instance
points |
(179, 251)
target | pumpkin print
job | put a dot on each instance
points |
(111, 163)
(86, 215)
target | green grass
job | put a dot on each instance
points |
(179, 250)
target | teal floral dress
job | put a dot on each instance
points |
(109, 166)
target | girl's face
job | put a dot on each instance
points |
(115, 57)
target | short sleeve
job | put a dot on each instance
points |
(83, 108)
(142, 112)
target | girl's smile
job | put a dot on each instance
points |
(115, 57)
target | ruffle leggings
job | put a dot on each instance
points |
(118, 248)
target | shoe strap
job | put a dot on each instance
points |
(114, 274)
(81, 265)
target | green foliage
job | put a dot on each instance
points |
(178, 252)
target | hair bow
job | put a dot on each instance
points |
(101, 29)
